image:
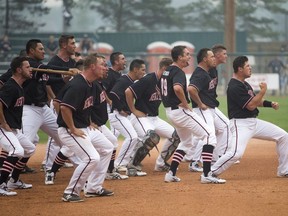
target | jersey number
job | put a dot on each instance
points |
(164, 87)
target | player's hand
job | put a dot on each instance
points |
(74, 71)
(263, 86)
(275, 105)
(139, 114)
(185, 106)
(6, 127)
(203, 106)
(93, 126)
(78, 132)
(123, 113)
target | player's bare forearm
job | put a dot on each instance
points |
(258, 98)
(3, 123)
(193, 92)
(130, 100)
(56, 105)
(181, 96)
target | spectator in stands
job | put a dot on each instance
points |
(86, 45)
(51, 46)
(5, 47)
(278, 67)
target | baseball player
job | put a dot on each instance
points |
(118, 64)
(36, 113)
(202, 90)
(221, 122)
(99, 117)
(19, 148)
(74, 122)
(145, 120)
(61, 59)
(120, 118)
(244, 125)
(176, 102)
(3, 79)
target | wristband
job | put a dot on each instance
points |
(267, 103)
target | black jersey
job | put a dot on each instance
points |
(57, 61)
(118, 94)
(206, 87)
(213, 73)
(12, 97)
(6, 76)
(172, 76)
(110, 81)
(239, 94)
(99, 113)
(35, 89)
(77, 94)
(147, 94)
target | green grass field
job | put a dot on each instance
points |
(278, 117)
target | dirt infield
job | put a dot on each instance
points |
(252, 188)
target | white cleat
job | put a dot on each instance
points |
(115, 176)
(211, 179)
(170, 178)
(195, 167)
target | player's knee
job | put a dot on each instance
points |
(29, 151)
(106, 149)
(19, 152)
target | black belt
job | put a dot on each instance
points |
(174, 107)
(39, 104)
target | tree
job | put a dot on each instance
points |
(252, 16)
(123, 15)
(17, 19)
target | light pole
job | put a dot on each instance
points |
(229, 25)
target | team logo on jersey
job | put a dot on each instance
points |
(156, 96)
(213, 83)
(102, 97)
(19, 102)
(88, 102)
(166, 73)
(44, 77)
(251, 93)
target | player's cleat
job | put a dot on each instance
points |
(141, 173)
(101, 193)
(237, 162)
(163, 168)
(49, 178)
(4, 191)
(27, 170)
(282, 175)
(71, 198)
(211, 179)
(115, 176)
(43, 168)
(121, 169)
(195, 167)
(68, 165)
(170, 178)
(17, 185)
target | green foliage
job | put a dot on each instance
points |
(209, 15)
(18, 10)
(121, 15)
